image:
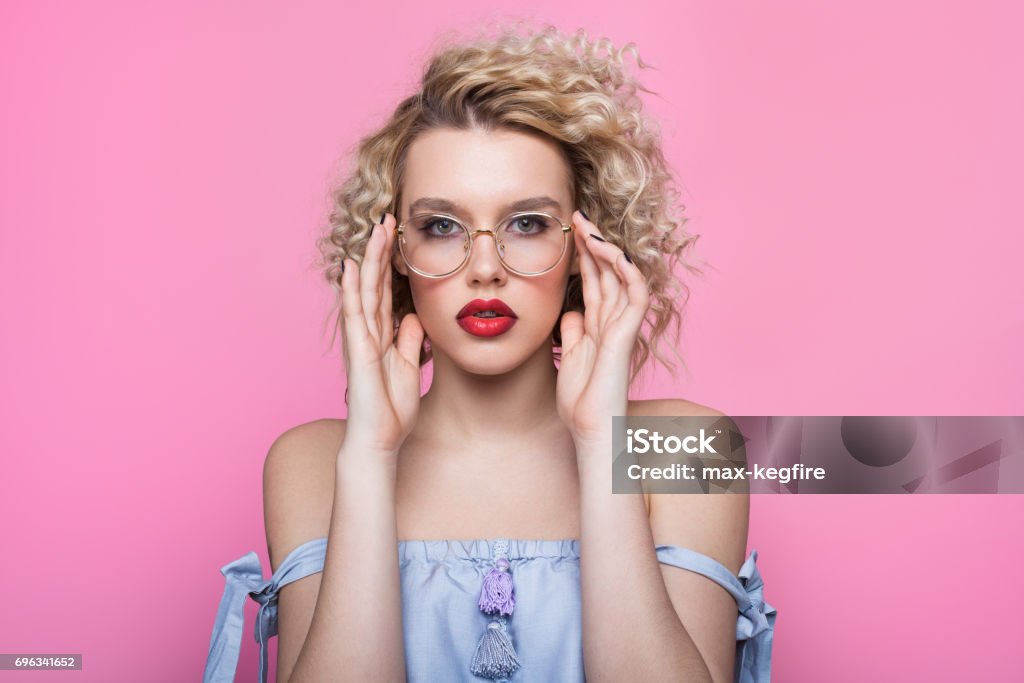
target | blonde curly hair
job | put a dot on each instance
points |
(564, 88)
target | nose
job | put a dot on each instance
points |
(484, 264)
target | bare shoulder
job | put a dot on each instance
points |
(670, 406)
(298, 485)
(714, 524)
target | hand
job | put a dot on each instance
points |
(597, 346)
(383, 377)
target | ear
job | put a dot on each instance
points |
(575, 270)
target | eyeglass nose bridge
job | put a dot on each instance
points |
(498, 244)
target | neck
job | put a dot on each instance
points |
(489, 407)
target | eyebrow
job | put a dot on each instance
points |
(528, 204)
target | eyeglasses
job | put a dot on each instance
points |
(437, 245)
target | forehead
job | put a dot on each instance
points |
(483, 173)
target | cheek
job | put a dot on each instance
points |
(429, 297)
(549, 294)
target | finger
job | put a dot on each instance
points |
(369, 280)
(354, 323)
(590, 284)
(410, 338)
(386, 304)
(571, 328)
(612, 287)
(340, 320)
(637, 292)
(623, 301)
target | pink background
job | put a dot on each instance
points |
(850, 166)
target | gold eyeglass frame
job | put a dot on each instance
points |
(566, 229)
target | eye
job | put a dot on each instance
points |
(530, 224)
(440, 226)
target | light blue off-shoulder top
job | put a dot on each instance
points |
(506, 609)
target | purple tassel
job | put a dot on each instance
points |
(497, 595)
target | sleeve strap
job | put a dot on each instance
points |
(244, 577)
(747, 589)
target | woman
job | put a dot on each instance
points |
(472, 534)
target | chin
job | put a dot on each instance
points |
(485, 364)
(485, 357)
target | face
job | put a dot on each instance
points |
(481, 176)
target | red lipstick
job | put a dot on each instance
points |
(486, 317)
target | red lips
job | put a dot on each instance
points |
(478, 305)
(490, 326)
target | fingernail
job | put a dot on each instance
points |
(382, 217)
(626, 254)
(343, 265)
(598, 237)
(584, 214)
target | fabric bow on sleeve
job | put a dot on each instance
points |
(755, 623)
(244, 578)
(755, 626)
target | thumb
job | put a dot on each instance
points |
(572, 329)
(410, 338)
